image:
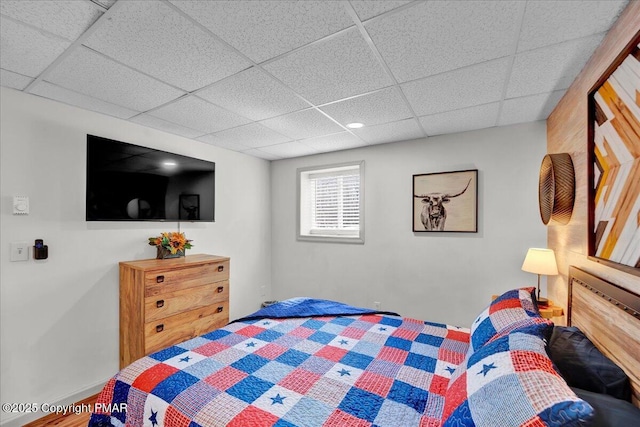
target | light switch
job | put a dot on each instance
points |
(20, 205)
(19, 251)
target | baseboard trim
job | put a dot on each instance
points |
(22, 419)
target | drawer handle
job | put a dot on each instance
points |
(160, 303)
(220, 268)
(159, 279)
(220, 289)
(220, 309)
(160, 328)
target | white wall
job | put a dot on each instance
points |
(59, 317)
(445, 277)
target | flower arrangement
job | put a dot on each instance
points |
(173, 243)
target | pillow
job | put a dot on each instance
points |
(511, 382)
(609, 411)
(582, 365)
(512, 310)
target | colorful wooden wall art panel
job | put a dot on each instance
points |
(615, 181)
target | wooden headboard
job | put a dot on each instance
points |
(610, 317)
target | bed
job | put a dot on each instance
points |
(308, 362)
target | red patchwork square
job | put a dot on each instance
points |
(504, 304)
(331, 353)
(254, 417)
(439, 385)
(407, 334)
(299, 380)
(342, 419)
(106, 395)
(534, 422)
(153, 376)
(211, 348)
(173, 417)
(371, 318)
(430, 422)
(450, 356)
(250, 331)
(270, 351)
(393, 354)
(354, 333)
(225, 378)
(302, 332)
(375, 383)
(458, 335)
(524, 361)
(456, 394)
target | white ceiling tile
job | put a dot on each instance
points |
(367, 9)
(266, 29)
(335, 142)
(466, 87)
(170, 48)
(261, 154)
(529, 108)
(439, 36)
(70, 97)
(105, 3)
(65, 18)
(165, 126)
(390, 132)
(550, 68)
(550, 22)
(195, 113)
(303, 124)
(254, 95)
(222, 143)
(334, 68)
(386, 105)
(253, 135)
(90, 73)
(25, 50)
(289, 149)
(478, 117)
(14, 80)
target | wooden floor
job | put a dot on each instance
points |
(69, 420)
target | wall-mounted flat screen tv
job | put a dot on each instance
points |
(127, 182)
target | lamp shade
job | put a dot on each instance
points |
(540, 261)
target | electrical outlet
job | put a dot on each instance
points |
(263, 291)
(376, 305)
(19, 251)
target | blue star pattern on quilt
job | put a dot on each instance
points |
(450, 369)
(344, 372)
(251, 344)
(185, 359)
(278, 399)
(153, 418)
(486, 368)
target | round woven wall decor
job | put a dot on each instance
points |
(556, 189)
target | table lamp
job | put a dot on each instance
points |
(540, 261)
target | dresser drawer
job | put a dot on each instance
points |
(160, 282)
(181, 327)
(170, 303)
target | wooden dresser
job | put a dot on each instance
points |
(165, 302)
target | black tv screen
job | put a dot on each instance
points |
(127, 182)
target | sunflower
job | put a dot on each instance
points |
(172, 241)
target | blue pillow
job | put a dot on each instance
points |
(583, 366)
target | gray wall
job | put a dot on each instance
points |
(59, 317)
(445, 277)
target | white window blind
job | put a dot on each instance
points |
(330, 202)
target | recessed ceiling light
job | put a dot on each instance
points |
(355, 125)
(169, 164)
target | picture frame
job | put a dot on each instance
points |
(189, 207)
(614, 164)
(445, 202)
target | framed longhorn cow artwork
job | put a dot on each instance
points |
(446, 202)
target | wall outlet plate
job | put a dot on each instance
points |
(19, 251)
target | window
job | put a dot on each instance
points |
(330, 203)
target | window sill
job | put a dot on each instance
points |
(358, 240)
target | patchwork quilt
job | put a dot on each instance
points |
(347, 369)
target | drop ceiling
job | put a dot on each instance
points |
(281, 79)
